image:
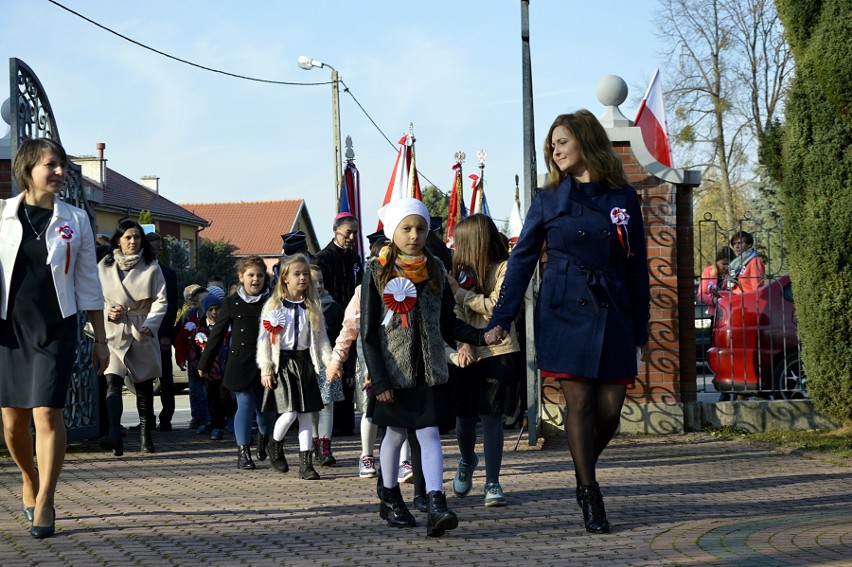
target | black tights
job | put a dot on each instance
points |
(593, 412)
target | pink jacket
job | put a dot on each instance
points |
(349, 332)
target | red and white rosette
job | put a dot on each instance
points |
(400, 296)
(273, 323)
(201, 340)
(620, 218)
(66, 233)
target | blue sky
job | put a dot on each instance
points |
(452, 68)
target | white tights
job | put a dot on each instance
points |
(285, 420)
(431, 456)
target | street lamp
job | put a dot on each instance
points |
(307, 64)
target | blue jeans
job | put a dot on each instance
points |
(248, 411)
(198, 401)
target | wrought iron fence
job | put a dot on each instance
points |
(747, 342)
(32, 117)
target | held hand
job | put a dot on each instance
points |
(147, 332)
(466, 355)
(268, 381)
(114, 313)
(495, 336)
(385, 397)
(333, 372)
(200, 372)
(100, 357)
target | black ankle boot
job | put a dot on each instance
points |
(594, 514)
(244, 461)
(439, 519)
(262, 442)
(279, 462)
(306, 467)
(421, 503)
(393, 509)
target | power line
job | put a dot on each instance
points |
(236, 75)
(178, 59)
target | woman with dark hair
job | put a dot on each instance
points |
(134, 306)
(592, 314)
(47, 275)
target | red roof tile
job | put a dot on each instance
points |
(253, 228)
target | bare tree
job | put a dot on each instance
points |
(731, 67)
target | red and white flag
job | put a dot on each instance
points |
(455, 209)
(478, 203)
(516, 223)
(651, 118)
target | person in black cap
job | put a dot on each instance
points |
(292, 243)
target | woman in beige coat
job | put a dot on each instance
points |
(134, 306)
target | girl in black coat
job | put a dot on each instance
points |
(592, 313)
(241, 314)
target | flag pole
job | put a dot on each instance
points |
(530, 189)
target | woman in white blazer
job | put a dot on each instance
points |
(134, 307)
(47, 260)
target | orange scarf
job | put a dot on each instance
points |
(412, 267)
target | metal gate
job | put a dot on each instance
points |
(32, 117)
(746, 329)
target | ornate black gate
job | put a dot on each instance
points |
(32, 117)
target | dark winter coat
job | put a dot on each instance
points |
(594, 304)
(243, 319)
(341, 271)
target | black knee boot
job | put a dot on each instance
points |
(147, 421)
(306, 467)
(113, 441)
(393, 509)
(244, 461)
(439, 519)
(594, 514)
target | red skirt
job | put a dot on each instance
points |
(565, 376)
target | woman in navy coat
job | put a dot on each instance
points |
(592, 312)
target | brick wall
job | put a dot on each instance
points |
(5, 178)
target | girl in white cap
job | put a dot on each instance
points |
(406, 316)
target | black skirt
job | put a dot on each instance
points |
(37, 345)
(297, 389)
(415, 408)
(481, 389)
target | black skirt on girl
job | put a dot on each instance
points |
(481, 389)
(297, 389)
(37, 345)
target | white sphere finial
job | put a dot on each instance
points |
(6, 111)
(612, 92)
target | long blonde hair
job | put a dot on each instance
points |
(601, 161)
(312, 303)
(477, 247)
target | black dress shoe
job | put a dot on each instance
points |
(41, 532)
(29, 512)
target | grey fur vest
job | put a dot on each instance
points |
(398, 343)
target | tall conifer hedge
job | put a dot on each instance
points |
(817, 187)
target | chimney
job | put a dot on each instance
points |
(101, 147)
(152, 182)
(94, 167)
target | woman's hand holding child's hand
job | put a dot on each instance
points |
(466, 355)
(268, 381)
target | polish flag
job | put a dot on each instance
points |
(478, 203)
(651, 118)
(404, 181)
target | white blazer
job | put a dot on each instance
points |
(71, 258)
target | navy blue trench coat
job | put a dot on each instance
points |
(594, 303)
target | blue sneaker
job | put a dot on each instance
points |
(463, 481)
(216, 434)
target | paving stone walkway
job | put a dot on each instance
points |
(672, 500)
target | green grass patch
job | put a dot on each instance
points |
(837, 443)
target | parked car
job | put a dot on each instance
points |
(756, 344)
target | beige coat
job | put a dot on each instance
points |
(142, 293)
(476, 308)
